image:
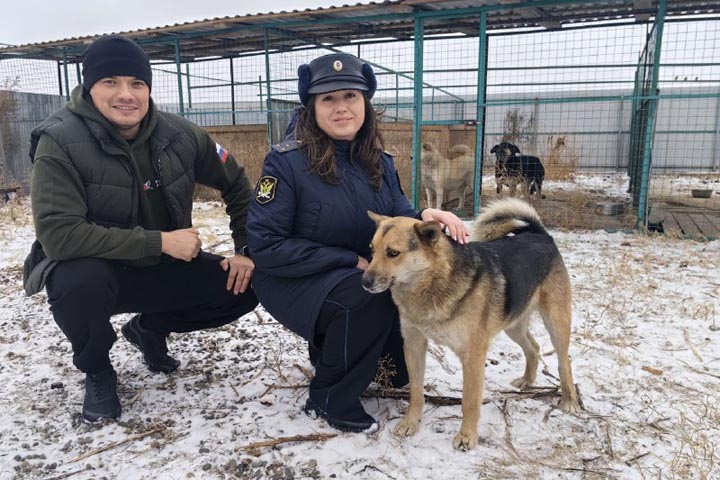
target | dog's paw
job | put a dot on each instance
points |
(521, 383)
(465, 441)
(406, 427)
(569, 405)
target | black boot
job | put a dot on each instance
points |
(101, 400)
(152, 345)
(361, 422)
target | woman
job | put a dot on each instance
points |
(309, 236)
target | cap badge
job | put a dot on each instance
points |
(337, 66)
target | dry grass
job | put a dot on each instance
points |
(560, 160)
(697, 452)
(16, 212)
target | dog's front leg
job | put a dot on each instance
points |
(429, 196)
(415, 349)
(473, 363)
(439, 194)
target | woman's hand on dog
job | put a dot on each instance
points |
(456, 228)
(362, 264)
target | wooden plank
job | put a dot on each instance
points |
(687, 225)
(670, 225)
(714, 219)
(704, 223)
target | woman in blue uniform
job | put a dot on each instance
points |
(309, 236)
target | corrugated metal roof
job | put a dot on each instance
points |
(241, 34)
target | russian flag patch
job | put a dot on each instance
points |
(222, 153)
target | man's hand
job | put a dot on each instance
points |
(240, 269)
(182, 244)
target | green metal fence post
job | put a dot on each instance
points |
(480, 113)
(60, 79)
(187, 80)
(178, 66)
(268, 101)
(418, 109)
(397, 98)
(232, 91)
(650, 132)
(67, 75)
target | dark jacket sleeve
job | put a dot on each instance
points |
(219, 170)
(273, 247)
(401, 204)
(60, 209)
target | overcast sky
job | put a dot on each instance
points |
(30, 21)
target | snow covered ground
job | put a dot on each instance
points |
(645, 351)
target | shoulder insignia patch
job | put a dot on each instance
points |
(265, 189)
(285, 146)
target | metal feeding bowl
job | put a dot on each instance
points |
(610, 208)
(701, 192)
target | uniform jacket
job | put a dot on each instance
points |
(305, 235)
(87, 193)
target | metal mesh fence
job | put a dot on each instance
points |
(623, 136)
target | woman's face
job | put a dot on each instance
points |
(340, 114)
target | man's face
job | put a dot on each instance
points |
(124, 101)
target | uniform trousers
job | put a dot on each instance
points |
(173, 297)
(354, 330)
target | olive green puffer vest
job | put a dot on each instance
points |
(107, 171)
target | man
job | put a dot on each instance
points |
(112, 189)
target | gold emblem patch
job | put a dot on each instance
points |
(337, 66)
(265, 189)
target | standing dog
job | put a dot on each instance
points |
(440, 175)
(463, 295)
(512, 169)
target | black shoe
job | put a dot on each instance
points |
(101, 400)
(152, 345)
(362, 423)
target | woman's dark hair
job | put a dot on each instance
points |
(320, 150)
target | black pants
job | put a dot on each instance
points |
(174, 297)
(353, 331)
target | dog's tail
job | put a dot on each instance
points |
(459, 151)
(505, 216)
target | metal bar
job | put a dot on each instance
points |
(417, 117)
(642, 211)
(397, 98)
(178, 67)
(716, 137)
(187, 74)
(267, 86)
(619, 138)
(260, 84)
(232, 91)
(77, 74)
(60, 79)
(480, 113)
(67, 76)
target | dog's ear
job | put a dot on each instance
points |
(494, 149)
(377, 218)
(514, 149)
(428, 232)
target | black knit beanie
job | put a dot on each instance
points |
(115, 55)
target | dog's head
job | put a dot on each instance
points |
(504, 150)
(428, 152)
(401, 250)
